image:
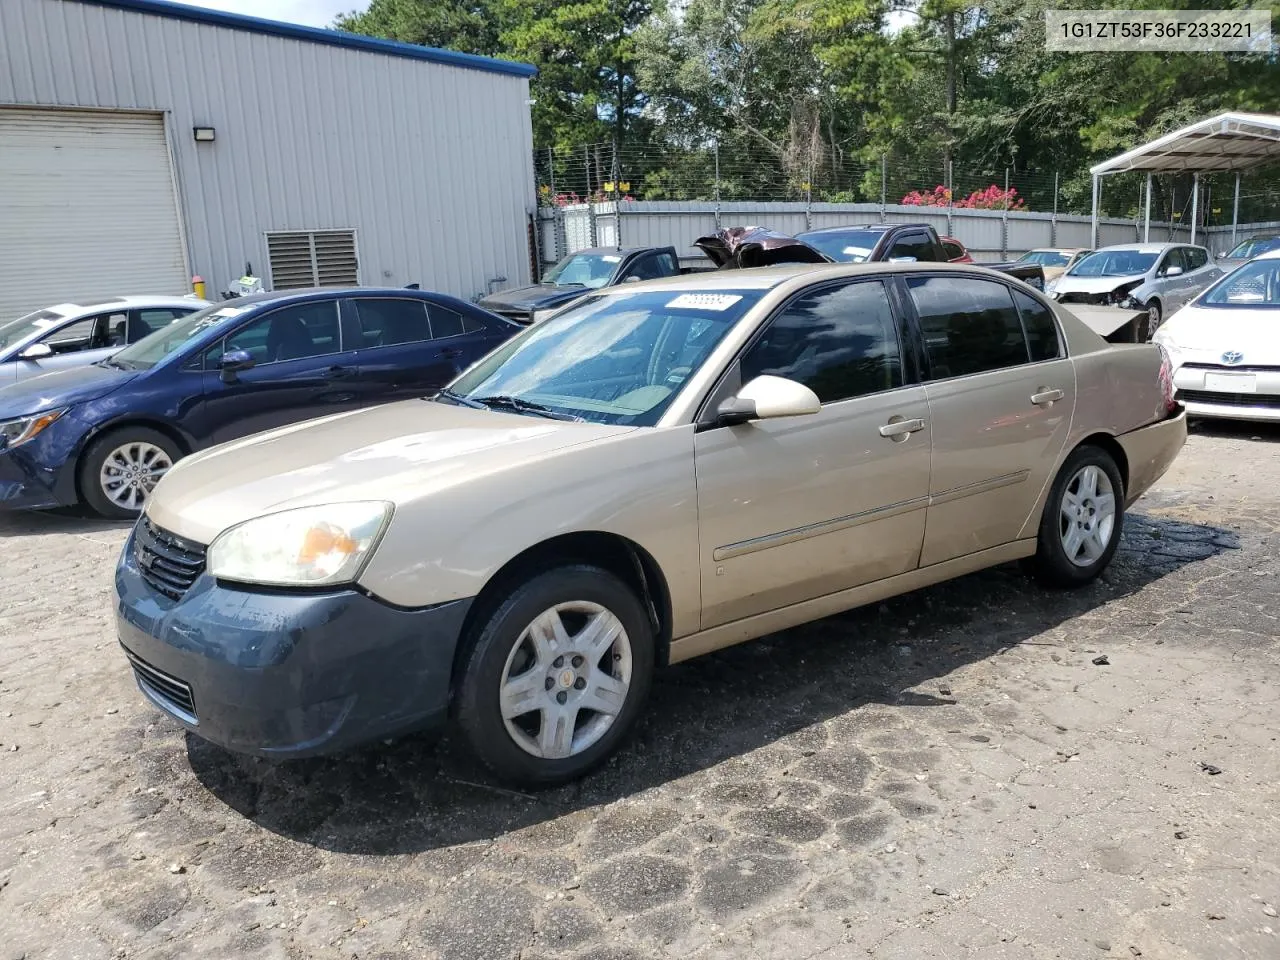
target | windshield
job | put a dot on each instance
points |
(1254, 246)
(1115, 263)
(1256, 284)
(609, 359)
(591, 270)
(853, 246)
(15, 331)
(154, 347)
(1046, 258)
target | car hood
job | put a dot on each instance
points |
(1228, 265)
(1070, 284)
(61, 388)
(734, 247)
(1254, 334)
(400, 452)
(538, 296)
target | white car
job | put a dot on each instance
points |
(77, 334)
(1156, 277)
(1224, 347)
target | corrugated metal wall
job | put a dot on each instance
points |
(430, 164)
(653, 223)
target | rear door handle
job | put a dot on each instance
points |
(1046, 397)
(901, 429)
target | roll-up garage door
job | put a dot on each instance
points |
(87, 208)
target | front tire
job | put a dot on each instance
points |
(555, 676)
(120, 469)
(1082, 520)
(1152, 323)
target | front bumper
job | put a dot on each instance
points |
(286, 674)
(29, 483)
(1207, 391)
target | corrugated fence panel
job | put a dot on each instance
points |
(430, 164)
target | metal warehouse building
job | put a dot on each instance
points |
(144, 142)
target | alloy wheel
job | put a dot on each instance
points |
(1087, 517)
(131, 471)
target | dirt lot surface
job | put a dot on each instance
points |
(948, 775)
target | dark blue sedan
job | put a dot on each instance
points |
(105, 434)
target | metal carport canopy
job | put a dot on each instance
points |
(1229, 141)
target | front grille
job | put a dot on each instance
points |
(167, 562)
(1094, 299)
(173, 694)
(1223, 368)
(1270, 401)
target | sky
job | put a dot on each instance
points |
(312, 13)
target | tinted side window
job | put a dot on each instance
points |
(445, 322)
(953, 250)
(387, 322)
(646, 268)
(1196, 258)
(969, 325)
(667, 266)
(840, 343)
(915, 245)
(1042, 331)
(290, 333)
(151, 319)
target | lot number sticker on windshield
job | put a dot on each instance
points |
(704, 301)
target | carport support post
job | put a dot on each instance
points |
(1146, 230)
(1097, 194)
(1053, 223)
(884, 177)
(1004, 220)
(950, 200)
(1195, 204)
(717, 186)
(1235, 211)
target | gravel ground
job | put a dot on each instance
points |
(948, 775)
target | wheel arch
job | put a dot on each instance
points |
(183, 442)
(624, 558)
(1111, 445)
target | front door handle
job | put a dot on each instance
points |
(338, 373)
(901, 429)
(1045, 397)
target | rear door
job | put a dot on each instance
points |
(1001, 394)
(302, 370)
(796, 508)
(411, 347)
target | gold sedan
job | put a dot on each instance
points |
(659, 471)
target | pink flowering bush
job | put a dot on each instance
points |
(992, 198)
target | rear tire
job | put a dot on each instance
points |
(1082, 522)
(555, 676)
(119, 470)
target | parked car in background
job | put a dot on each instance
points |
(902, 242)
(1055, 260)
(630, 484)
(1246, 250)
(1156, 277)
(75, 334)
(104, 434)
(577, 275)
(956, 252)
(1225, 345)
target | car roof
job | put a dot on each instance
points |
(1269, 255)
(312, 293)
(93, 304)
(615, 251)
(875, 227)
(1147, 247)
(1058, 249)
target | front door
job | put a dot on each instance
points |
(301, 371)
(793, 509)
(1001, 394)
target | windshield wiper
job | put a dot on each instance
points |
(459, 399)
(517, 405)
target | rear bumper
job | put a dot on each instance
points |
(1150, 451)
(286, 674)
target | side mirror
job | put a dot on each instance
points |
(767, 398)
(232, 362)
(902, 260)
(1173, 271)
(631, 279)
(36, 351)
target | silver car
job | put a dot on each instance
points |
(77, 334)
(1157, 277)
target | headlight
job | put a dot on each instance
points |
(14, 432)
(540, 315)
(309, 546)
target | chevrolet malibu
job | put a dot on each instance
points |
(661, 470)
